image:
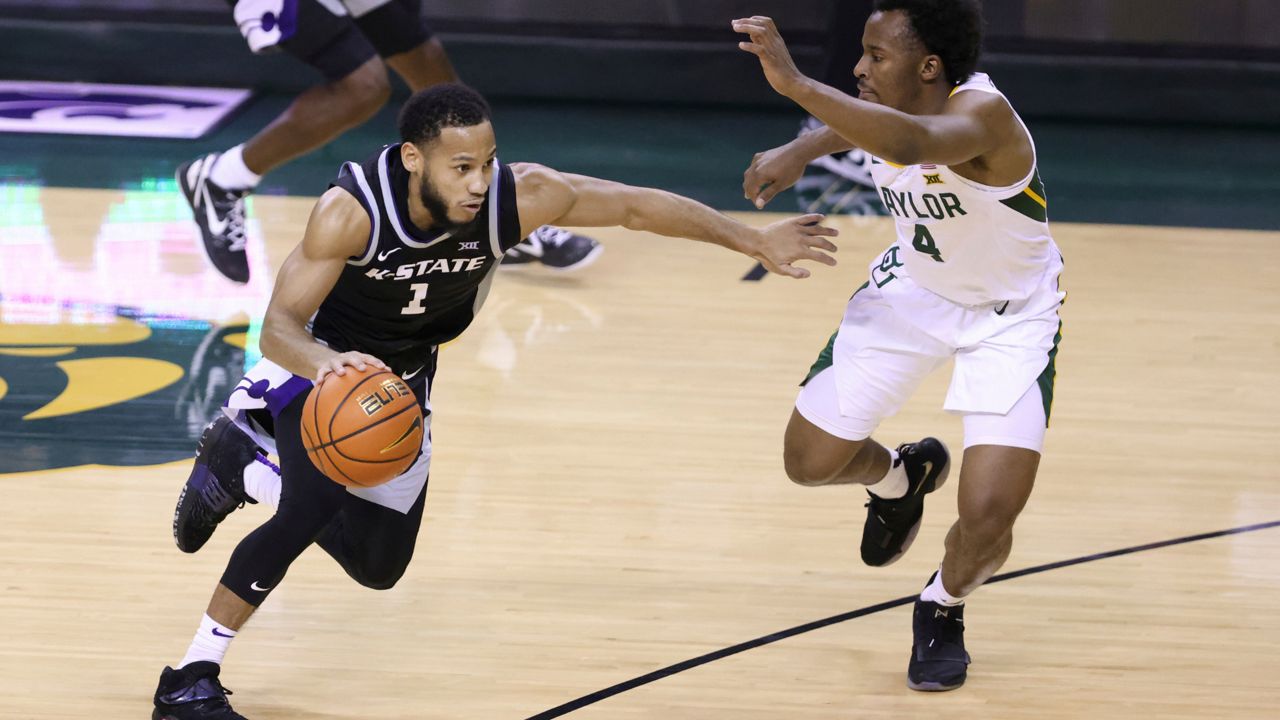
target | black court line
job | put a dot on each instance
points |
(756, 273)
(670, 670)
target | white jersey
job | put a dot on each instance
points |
(970, 243)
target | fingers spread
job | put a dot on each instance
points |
(821, 230)
(820, 257)
(817, 242)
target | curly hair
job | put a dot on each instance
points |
(950, 29)
(429, 111)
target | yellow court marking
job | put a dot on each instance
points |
(37, 351)
(240, 340)
(120, 332)
(93, 383)
(4, 388)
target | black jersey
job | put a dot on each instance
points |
(412, 289)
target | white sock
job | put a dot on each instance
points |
(895, 483)
(935, 592)
(262, 482)
(210, 643)
(230, 173)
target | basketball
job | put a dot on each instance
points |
(362, 429)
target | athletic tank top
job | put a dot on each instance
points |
(971, 243)
(412, 290)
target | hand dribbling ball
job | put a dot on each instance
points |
(362, 429)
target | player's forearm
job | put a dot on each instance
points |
(664, 213)
(813, 145)
(287, 343)
(881, 131)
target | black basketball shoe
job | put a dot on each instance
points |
(215, 486)
(837, 184)
(892, 525)
(938, 658)
(220, 215)
(555, 248)
(193, 693)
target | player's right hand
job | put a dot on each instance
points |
(340, 362)
(771, 172)
(797, 238)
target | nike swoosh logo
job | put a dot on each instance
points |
(415, 425)
(384, 255)
(408, 376)
(1000, 310)
(215, 632)
(928, 468)
(254, 586)
(216, 226)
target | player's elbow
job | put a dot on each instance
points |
(272, 341)
(907, 150)
(638, 208)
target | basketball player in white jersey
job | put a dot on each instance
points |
(972, 275)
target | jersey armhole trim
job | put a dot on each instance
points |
(495, 244)
(371, 206)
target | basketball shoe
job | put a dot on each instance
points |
(215, 486)
(220, 215)
(555, 248)
(938, 658)
(837, 184)
(892, 525)
(193, 693)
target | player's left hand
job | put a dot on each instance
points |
(794, 239)
(779, 69)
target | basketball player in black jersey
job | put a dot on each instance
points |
(397, 257)
(351, 43)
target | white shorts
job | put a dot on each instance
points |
(1022, 427)
(891, 338)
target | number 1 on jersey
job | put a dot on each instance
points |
(415, 306)
(923, 242)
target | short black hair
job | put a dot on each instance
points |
(950, 29)
(428, 111)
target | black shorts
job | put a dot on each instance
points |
(338, 44)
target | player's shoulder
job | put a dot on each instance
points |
(978, 95)
(534, 181)
(338, 223)
(531, 176)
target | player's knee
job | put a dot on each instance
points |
(991, 514)
(803, 469)
(365, 90)
(383, 574)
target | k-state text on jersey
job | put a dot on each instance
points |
(425, 267)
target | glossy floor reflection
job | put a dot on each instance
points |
(607, 495)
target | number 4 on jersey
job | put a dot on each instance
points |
(923, 242)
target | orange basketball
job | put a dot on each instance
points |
(363, 428)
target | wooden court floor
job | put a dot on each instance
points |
(607, 496)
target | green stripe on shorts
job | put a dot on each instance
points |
(1045, 381)
(827, 357)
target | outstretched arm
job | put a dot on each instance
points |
(972, 124)
(773, 171)
(548, 197)
(338, 229)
